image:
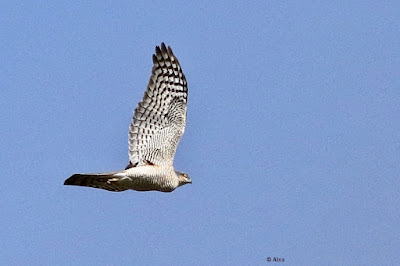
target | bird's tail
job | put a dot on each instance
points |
(108, 181)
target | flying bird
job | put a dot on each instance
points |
(157, 126)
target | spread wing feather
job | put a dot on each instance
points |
(159, 120)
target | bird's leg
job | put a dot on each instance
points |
(109, 181)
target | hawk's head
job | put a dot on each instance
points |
(183, 178)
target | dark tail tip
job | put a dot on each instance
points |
(72, 180)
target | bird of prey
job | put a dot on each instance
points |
(157, 126)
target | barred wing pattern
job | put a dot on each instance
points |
(159, 120)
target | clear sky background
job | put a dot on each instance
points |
(292, 139)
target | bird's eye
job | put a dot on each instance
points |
(184, 175)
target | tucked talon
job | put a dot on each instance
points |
(112, 180)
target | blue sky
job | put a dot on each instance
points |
(292, 139)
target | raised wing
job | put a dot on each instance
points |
(159, 120)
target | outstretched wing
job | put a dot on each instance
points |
(159, 120)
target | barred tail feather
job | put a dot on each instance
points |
(107, 181)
